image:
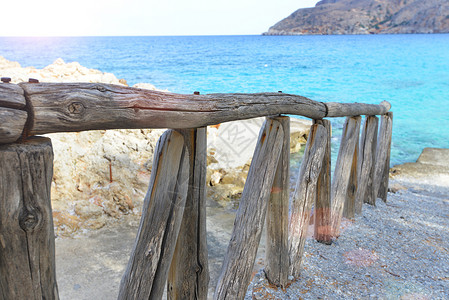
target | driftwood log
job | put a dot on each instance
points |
(27, 240)
(322, 215)
(148, 266)
(368, 144)
(189, 271)
(381, 171)
(342, 173)
(276, 252)
(65, 107)
(241, 253)
(305, 195)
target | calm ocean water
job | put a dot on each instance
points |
(409, 71)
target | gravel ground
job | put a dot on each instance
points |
(395, 250)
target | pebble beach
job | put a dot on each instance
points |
(394, 250)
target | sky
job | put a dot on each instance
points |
(143, 17)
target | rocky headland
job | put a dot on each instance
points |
(366, 17)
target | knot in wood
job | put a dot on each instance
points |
(101, 88)
(76, 108)
(28, 221)
(307, 178)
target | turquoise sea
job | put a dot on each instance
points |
(409, 71)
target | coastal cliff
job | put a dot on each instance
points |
(366, 17)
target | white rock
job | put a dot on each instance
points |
(215, 178)
(58, 71)
(146, 86)
(232, 144)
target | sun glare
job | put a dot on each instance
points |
(142, 17)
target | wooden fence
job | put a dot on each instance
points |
(170, 248)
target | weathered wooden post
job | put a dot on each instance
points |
(148, 266)
(27, 246)
(305, 195)
(349, 206)
(342, 173)
(241, 254)
(368, 144)
(381, 175)
(189, 272)
(322, 231)
(276, 251)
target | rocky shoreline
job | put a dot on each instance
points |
(432, 167)
(397, 249)
(100, 176)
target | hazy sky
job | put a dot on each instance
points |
(143, 17)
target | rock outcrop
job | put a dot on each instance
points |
(99, 176)
(432, 167)
(230, 149)
(367, 17)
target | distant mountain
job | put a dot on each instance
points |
(367, 17)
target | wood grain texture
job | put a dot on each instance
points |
(368, 145)
(64, 107)
(322, 215)
(148, 266)
(305, 195)
(356, 109)
(82, 106)
(342, 173)
(349, 207)
(189, 271)
(382, 167)
(27, 245)
(12, 96)
(241, 253)
(276, 254)
(12, 124)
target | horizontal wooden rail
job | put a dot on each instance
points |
(65, 107)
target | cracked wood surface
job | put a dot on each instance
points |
(342, 173)
(305, 195)
(188, 277)
(322, 223)
(276, 254)
(241, 253)
(27, 239)
(149, 263)
(68, 107)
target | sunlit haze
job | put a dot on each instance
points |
(143, 17)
